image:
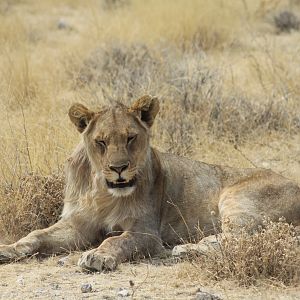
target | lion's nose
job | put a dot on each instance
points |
(119, 169)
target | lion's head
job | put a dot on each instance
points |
(116, 139)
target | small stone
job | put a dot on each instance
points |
(286, 21)
(40, 291)
(108, 297)
(206, 245)
(206, 296)
(181, 250)
(131, 283)
(62, 261)
(123, 292)
(86, 288)
(20, 280)
(55, 286)
(62, 24)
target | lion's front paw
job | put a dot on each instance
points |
(94, 260)
(8, 254)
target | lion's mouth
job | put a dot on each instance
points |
(121, 183)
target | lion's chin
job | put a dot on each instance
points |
(121, 192)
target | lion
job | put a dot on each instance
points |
(125, 199)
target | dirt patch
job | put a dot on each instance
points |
(145, 280)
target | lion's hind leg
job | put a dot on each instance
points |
(236, 213)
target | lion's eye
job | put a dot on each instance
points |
(131, 138)
(101, 143)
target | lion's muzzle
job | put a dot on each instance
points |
(120, 179)
(120, 168)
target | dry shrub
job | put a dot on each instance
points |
(271, 253)
(118, 70)
(34, 204)
(190, 91)
(114, 4)
(286, 21)
(251, 117)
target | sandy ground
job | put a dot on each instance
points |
(47, 279)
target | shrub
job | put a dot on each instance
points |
(34, 204)
(286, 21)
(272, 253)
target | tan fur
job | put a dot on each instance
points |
(131, 199)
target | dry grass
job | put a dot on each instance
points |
(36, 203)
(272, 253)
(224, 75)
(188, 86)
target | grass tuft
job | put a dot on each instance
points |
(272, 253)
(34, 204)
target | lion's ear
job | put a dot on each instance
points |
(147, 107)
(80, 116)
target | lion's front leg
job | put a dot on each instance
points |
(61, 237)
(115, 250)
